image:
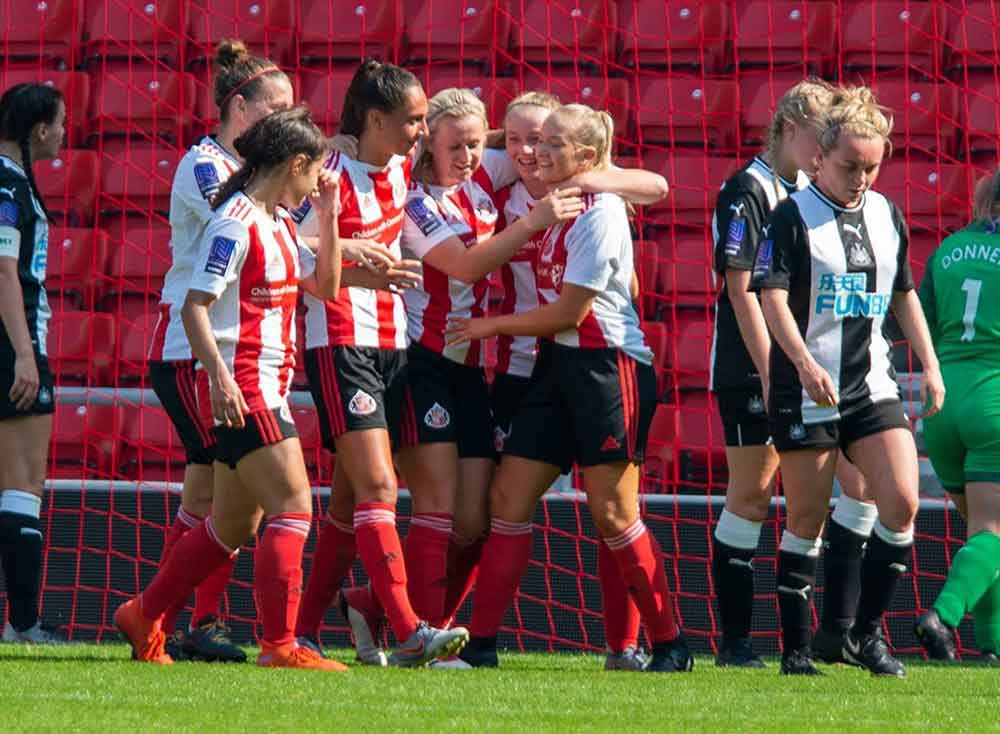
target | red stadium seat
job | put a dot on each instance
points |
(660, 34)
(81, 347)
(75, 258)
(324, 93)
(601, 93)
(350, 30)
(891, 34)
(138, 180)
(660, 457)
(75, 88)
(268, 27)
(774, 33)
(972, 36)
(135, 318)
(692, 355)
(932, 196)
(686, 110)
(49, 31)
(151, 450)
(700, 442)
(926, 118)
(143, 102)
(139, 258)
(496, 93)
(983, 118)
(454, 30)
(135, 31)
(694, 179)
(658, 339)
(69, 185)
(760, 92)
(85, 440)
(687, 277)
(564, 32)
(649, 261)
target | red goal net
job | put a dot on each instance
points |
(690, 85)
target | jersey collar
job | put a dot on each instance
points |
(834, 205)
(11, 163)
(790, 186)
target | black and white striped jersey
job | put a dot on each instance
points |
(744, 202)
(24, 235)
(841, 267)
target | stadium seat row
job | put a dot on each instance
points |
(711, 35)
(666, 109)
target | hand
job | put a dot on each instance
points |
(461, 331)
(325, 198)
(818, 384)
(557, 207)
(402, 276)
(346, 144)
(228, 403)
(369, 254)
(931, 392)
(25, 388)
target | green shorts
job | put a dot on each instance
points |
(963, 440)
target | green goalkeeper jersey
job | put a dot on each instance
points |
(960, 294)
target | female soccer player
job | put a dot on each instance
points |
(832, 263)
(591, 401)
(32, 126)
(246, 89)
(516, 356)
(239, 316)
(739, 376)
(960, 297)
(356, 363)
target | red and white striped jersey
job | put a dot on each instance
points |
(198, 177)
(594, 251)
(252, 263)
(371, 207)
(516, 354)
(433, 214)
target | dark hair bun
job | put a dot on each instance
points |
(229, 52)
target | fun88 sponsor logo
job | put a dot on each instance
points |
(845, 295)
(40, 259)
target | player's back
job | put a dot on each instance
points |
(961, 294)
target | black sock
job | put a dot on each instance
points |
(21, 551)
(796, 580)
(733, 578)
(881, 569)
(841, 576)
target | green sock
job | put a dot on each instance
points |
(986, 615)
(973, 570)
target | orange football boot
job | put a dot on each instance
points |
(145, 636)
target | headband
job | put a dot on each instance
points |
(252, 77)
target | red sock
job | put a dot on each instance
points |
(192, 559)
(183, 522)
(463, 567)
(505, 559)
(382, 556)
(621, 615)
(278, 575)
(641, 563)
(427, 564)
(332, 559)
(211, 591)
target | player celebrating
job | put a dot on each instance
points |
(591, 401)
(958, 292)
(355, 360)
(832, 263)
(516, 356)
(739, 375)
(246, 89)
(32, 126)
(239, 315)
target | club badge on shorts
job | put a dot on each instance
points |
(437, 417)
(362, 403)
(797, 432)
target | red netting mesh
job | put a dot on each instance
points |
(690, 85)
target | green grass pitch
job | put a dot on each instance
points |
(84, 688)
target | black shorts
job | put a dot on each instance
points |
(506, 394)
(790, 433)
(447, 402)
(744, 418)
(585, 406)
(262, 428)
(45, 402)
(183, 392)
(356, 388)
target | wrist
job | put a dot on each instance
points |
(24, 353)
